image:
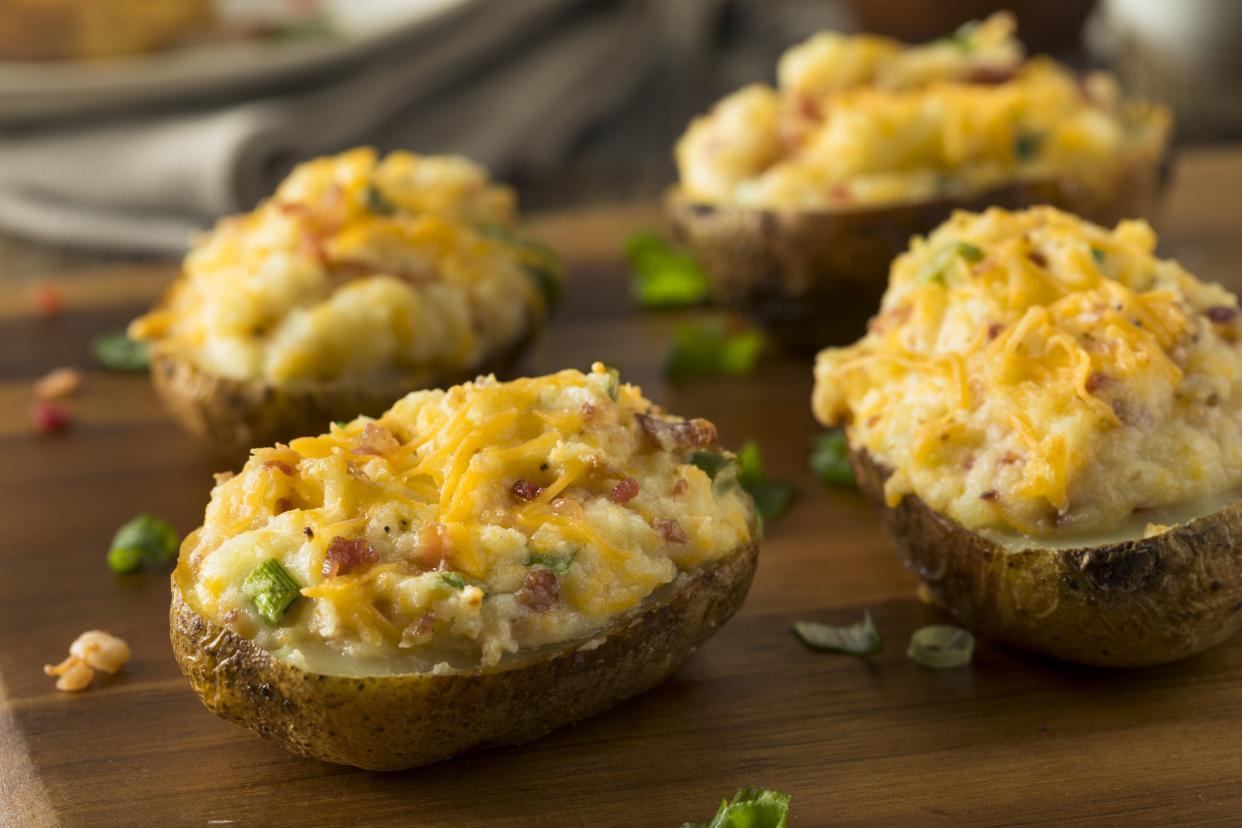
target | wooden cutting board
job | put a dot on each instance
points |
(1012, 739)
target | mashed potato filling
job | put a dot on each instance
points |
(865, 120)
(1033, 372)
(469, 523)
(357, 269)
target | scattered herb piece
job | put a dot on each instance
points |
(706, 349)
(969, 252)
(452, 579)
(609, 378)
(378, 203)
(941, 647)
(153, 537)
(830, 460)
(557, 563)
(271, 589)
(664, 276)
(1098, 255)
(123, 559)
(1027, 144)
(964, 37)
(710, 462)
(49, 418)
(860, 638)
(935, 270)
(772, 497)
(117, 352)
(750, 808)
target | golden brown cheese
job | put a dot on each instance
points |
(865, 120)
(469, 523)
(1032, 372)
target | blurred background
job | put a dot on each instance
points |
(127, 125)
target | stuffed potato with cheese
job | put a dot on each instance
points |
(1050, 417)
(359, 280)
(797, 198)
(476, 567)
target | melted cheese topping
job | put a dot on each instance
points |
(1032, 372)
(866, 120)
(498, 517)
(356, 270)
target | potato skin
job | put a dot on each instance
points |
(1129, 604)
(814, 278)
(235, 415)
(397, 722)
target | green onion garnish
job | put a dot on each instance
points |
(453, 580)
(152, 539)
(860, 638)
(710, 462)
(1026, 144)
(706, 349)
(941, 647)
(610, 380)
(772, 497)
(1098, 255)
(750, 808)
(378, 203)
(830, 460)
(557, 563)
(664, 276)
(936, 270)
(271, 589)
(117, 352)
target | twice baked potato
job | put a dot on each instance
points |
(358, 281)
(797, 199)
(476, 567)
(1050, 419)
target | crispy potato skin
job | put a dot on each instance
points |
(814, 278)
(396, 722)
(235, 415)
(1129, 604)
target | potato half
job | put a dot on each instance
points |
(813, 278)
(401, 721)
(1133, 603)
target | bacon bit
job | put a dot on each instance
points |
(1008, 458)
(345, 554)
(990, 75)
(1038, 258)
(1212, 400)
(432, 542)
(377, 440)
(279, 465)
(671, 530)
(309, 532)
(1096, 381)
(540, 591)
(523, 489)
(840, 191)
(1221, 314)
(588, 410)
(59, 382)
(1131, 414)
(994, 330)
(223, 477)
(990, 496)
(49, 418)
(48, 301)
(679, 488)
(873, 420)
(90, 651)
(809, 107)
(283, 504)
(672, 435)
(625, 491)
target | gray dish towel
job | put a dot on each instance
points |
(512, 87)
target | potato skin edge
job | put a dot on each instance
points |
(398, 722)
(1134, 603)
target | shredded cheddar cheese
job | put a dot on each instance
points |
(1060, 382)
(471, 522)
(863, 120)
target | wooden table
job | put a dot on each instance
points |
(1013, 739)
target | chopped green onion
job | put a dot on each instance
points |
(710, 462)
(452, 579)
(1026, 144)
(154, 538)
(664, 276)
(271, 589)
(830, 460)
(1098, 255)
(378, 203)
(750, 463)
(117, 352)
(772, 497)
(123, 559)
(705, 349)
(750, 808)
(860, 638)
(969, 252)
(964, 37)
(941, 647)
(935, 270)
(611, 379)
(557, 563)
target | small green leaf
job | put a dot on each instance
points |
(117, 352)
(772, 497)
(153, 537)
(705, 349)
(557, 563)
(860, 638)
(664, 276)
(271, 589)
(830, 460)
(378, 203)
(1027, 144)
(453, 580)
(941, 647)
(969, 252)
(750, 807)
(123, 559)
(710, 462)
(1099, 255)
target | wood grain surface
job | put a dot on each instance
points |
(1013, 739)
